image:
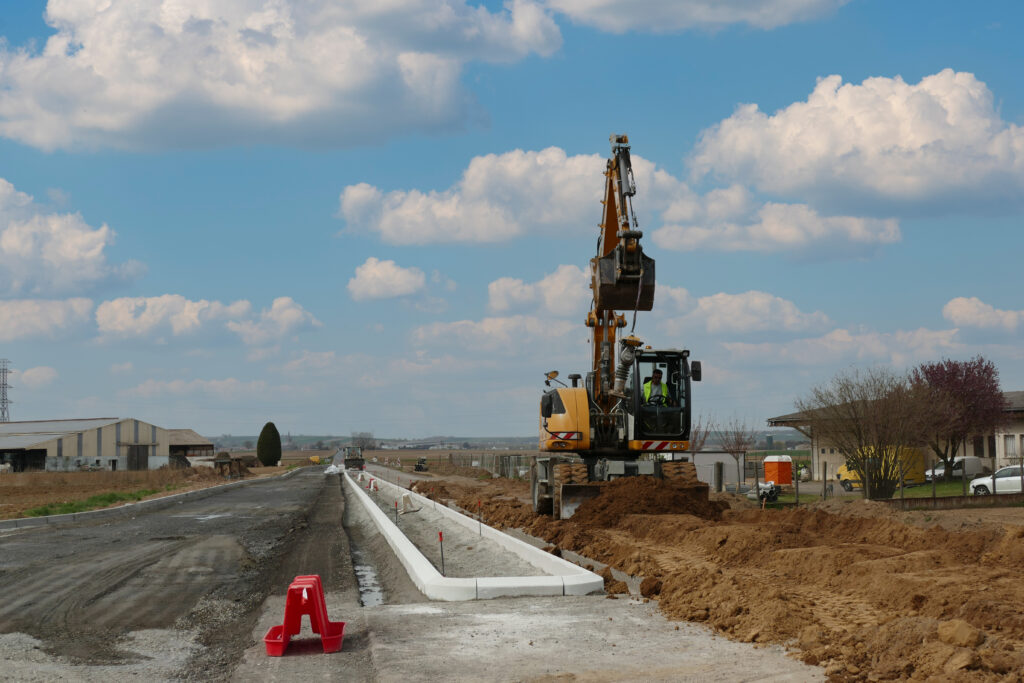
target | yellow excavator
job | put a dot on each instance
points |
(631, 414)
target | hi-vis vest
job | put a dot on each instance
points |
(647, 390)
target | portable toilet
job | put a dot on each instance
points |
(779, 468)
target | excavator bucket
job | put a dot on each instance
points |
(573, 495)
(618, 292)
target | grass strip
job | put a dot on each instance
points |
(101, 500)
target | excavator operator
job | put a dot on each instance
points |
(656, 392)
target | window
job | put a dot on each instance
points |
(823, 450)
(831, 450)
(1008, 472)
(1010, 444)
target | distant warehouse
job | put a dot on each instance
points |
(108, 443)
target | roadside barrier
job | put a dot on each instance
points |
(305, 597)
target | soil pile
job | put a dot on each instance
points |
(644, 496)
(851, 586)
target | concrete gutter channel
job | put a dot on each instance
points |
(560, 577)
(129, 509)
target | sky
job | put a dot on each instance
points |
(378, 215)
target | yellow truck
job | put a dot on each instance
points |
(913, 470)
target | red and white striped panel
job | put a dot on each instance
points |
(565, 436)
(659, 445)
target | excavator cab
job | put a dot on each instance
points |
(661, 395)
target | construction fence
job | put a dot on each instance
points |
(509, 465)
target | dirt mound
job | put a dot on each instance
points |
(645, 496)
(854, 586)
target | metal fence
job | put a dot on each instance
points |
(509, 465)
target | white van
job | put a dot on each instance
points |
(963, 466)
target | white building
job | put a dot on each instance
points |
(1002, 448)
(1009, 442)
(108, 443)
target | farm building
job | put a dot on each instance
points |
(185, 444)
(109, 443)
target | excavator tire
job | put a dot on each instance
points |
(683, 472)
(579, 473)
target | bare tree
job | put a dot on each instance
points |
(699, 432)
(875, 419)
(737, 437)
(364, 440)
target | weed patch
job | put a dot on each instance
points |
(101, 500)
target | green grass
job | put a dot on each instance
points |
(101, 500)
(943, 489)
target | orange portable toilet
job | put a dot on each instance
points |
(779, 468)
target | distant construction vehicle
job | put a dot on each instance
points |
(353, 458)
(601, 430)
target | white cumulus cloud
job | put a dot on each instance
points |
(563, 292)
(36, 378)
(27, 318)
(749, 312)
(143, 316)
(283, 318)
(199, 73)
(973, 312)
(938, 140)
(504, 196)
(377, 279)
(662, 16)
(46, 252)
(791, 228)
(229, 388)
(843, 346)
(510, 334)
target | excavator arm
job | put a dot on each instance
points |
(622, 276)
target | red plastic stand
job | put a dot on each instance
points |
(305, 596)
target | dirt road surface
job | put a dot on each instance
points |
(188, 592)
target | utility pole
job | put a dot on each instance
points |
(5, 403)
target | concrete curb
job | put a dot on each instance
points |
(129, 509)
(566, 578)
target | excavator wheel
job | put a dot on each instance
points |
(684, 472)
(579, 473)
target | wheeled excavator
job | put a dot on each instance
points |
(620, 421)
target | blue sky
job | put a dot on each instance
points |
(375, 216)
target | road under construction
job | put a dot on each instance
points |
(188, 590)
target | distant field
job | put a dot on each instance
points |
(67, 491)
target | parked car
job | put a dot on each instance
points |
(963, 466)
(1005, 480)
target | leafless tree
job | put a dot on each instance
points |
(700, 429)
(875, 418)
(737, 437)
(364, 440)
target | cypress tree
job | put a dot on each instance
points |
(268, 447)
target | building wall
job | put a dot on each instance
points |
(1010, 443)
(101, 447)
